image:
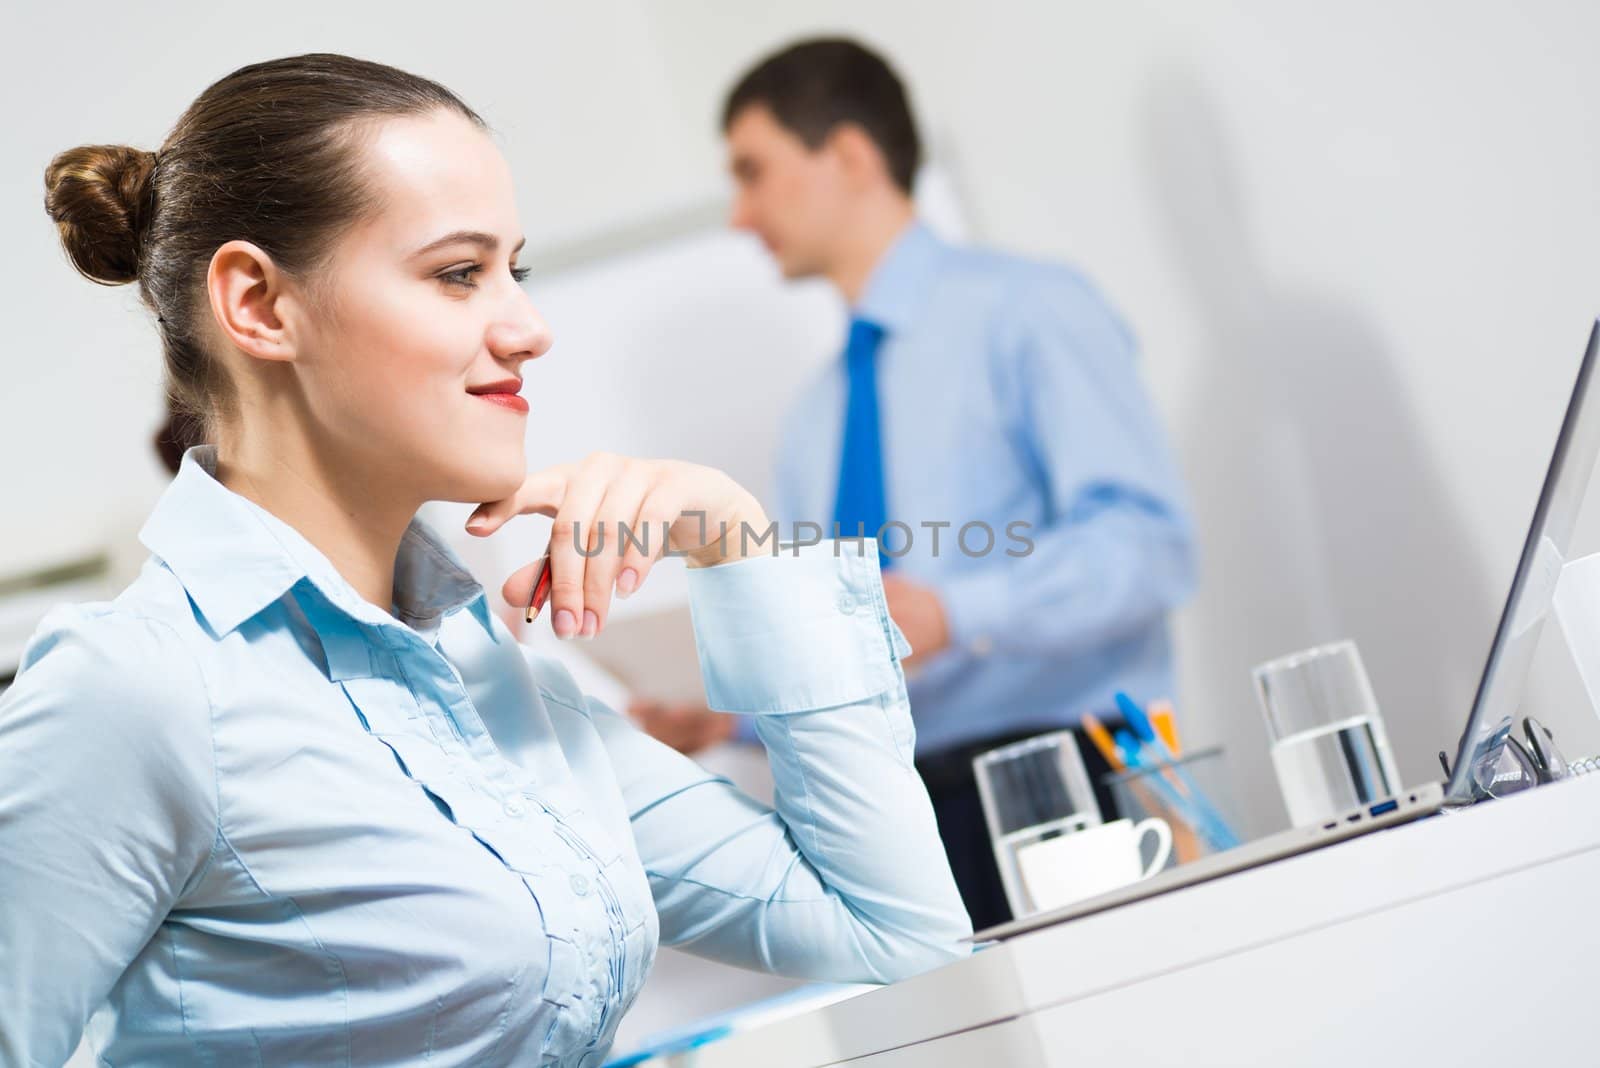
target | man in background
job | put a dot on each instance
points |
(975, 390)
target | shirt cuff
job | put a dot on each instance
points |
(974, 608)
(802, 630)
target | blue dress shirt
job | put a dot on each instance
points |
(1008, 392)
(248, 818)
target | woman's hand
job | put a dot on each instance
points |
(592, 500)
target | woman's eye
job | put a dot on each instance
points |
(463, 276)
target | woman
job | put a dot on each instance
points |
(296, 796)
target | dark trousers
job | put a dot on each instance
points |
(954, 792)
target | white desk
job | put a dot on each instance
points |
(1470, 938)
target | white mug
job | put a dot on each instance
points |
(1070, 867)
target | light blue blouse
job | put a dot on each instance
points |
(248, 818)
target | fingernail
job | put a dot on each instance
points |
(566, 623)
(591, 623)
(628, 581)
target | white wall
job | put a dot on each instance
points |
(1356, 242)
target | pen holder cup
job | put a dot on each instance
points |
(1192, 794)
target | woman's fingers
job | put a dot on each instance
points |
(541, 492)
(570, 544)
(660, 504)
(657, 512)
(619, 508)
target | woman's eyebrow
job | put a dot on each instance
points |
(488, 242)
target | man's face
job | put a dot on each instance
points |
(794, 198)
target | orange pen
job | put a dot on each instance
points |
(1102, 741)
(1161, 719)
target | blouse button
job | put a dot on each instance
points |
(579, 884)
(846, 603)
(515, 808)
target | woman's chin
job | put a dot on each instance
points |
(497, 478)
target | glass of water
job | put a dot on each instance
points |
(1032, 791)
(1329, 747)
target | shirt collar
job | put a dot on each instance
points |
(899, 282)
(235, 558)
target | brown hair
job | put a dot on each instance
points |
(813, 86)
(270, 154)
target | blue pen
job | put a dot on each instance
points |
(1142, 728)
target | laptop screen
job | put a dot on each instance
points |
(1534, 585)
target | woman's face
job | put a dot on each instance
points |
(425, 317)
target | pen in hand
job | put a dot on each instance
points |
(541, 588)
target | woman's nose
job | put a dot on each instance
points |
(524, 336)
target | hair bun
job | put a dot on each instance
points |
(99, 198)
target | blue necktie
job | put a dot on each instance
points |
(860, 505)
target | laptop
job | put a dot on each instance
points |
(1499, 691)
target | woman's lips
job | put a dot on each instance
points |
(505, 400)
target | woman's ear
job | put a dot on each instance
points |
(250, 302)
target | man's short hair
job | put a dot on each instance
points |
(813, 86)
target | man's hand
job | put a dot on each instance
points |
(688, 728)
(918, 612)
